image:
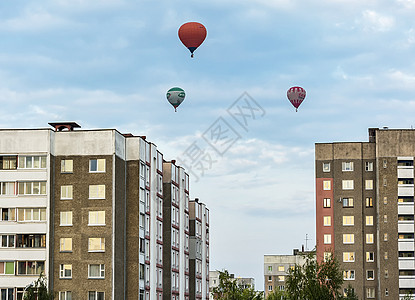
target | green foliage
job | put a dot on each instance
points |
(408, 297)
(38, 290)
(277, 295)
(350, 295)
(228, 289)
(315, 281)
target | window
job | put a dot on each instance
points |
(326, 185)
(385, 237)
(370, 256)
(348, 220)
(281, 287)
(347, 184)
(385, 181)
(327, 239)
(370, 292)
(7, 241)
(385, 218)
(326, 202)
(369, 202)
(65, 295)
(327, 220)
(369, 238)
(281, 268)
(369, 166)
(31, 214)
(270, 288)
(31, 240)
(269, 278)
(97, 165)
(385, 163)
(347, 166)
(9, 214)
(348, 275)
(370, 275)
(96, 271)
(65, 271)
(65, 245)
(66, 166)
(385, 200)
(386, 292)
(369, 220)
(30, 267)
(327, 256)
(405, 181)
(97, 191)
(8, 162)
(269, 268)
(348, 238)
(96, 218)
(32, 162)
(405, 236)
(369, 184)
(348, 256)
(8, 188)
(66, 218)
(6, 267)
(348, 202)
(281, 278)
(96, 245)
(32, 188)
(326, 167)
(66, 192)
(386, 255)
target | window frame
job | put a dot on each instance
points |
(101, 271)
(66, 166)
(98, 170)
(65, 190)
(66, 214)
(346, 219)
(347, 184)
(69, 241)
(327, 202)
(369, 166)
(326, 167)
(97, 212)
(347, 166)
(62, 271)
(93, 196)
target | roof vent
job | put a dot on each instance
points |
(385, 127)
(61, 126)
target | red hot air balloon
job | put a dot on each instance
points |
(192, 35)
(296, 95)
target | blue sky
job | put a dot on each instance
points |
(108, 64)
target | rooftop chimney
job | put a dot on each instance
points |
(60, 126)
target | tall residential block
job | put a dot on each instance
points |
(199, 250)
(85, 208)
(365, 211)
(276, 269)
(176, 232)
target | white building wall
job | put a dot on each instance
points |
(25, 143)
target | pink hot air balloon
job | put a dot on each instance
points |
(296, 95)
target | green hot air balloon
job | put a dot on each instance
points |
(175, 96)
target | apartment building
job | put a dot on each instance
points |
(199, 250)
(85, 208)
(25, 194)
(276, 269)
(365, 211)
(176, 232)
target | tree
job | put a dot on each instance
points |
(228, 289)
(350, 295)
(314, 280)
(277, 295)
(407, 297)
(38, 290)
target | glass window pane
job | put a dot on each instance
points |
(28, 162)
(43, 188)
(91, 296)
(101, 165)
(36, 215)
(36, 188)
(43, 214)
(28, 188)
(22, 162)
(28, 214)
(43, 162)
(36, 162)
(93, 165)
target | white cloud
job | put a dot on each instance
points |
(35, 19)
(375, 22)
